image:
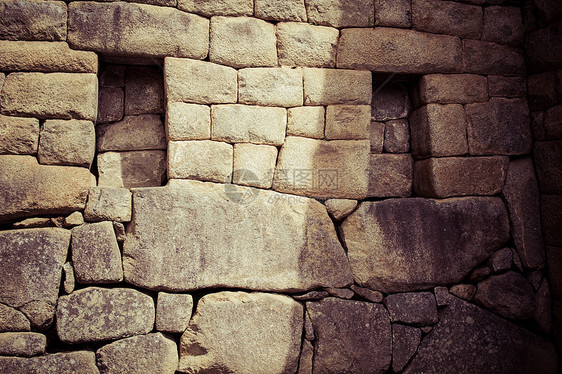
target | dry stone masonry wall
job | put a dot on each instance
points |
(280, 186)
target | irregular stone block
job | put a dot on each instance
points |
(218, 8)
(307, 255)
(54, 95)
(242, 42)
(326, 169)
(370, 295)
(391, 249)
(13, 320)
(507, 86)
(390, 175)
(74, 219)
(447, 17)
(134, 133)
(67, 143)
(199, 82)
(203, 160)
(390, 101)
(393, 13)
(460, 176)
(377, 130)
(145, 90)
(491, 58)
(307, 121)
(405, 342)
(388, 50)
(340, 208)
(503, 24)
(542, 90)
(173, 312)
(331, 86)
(548, 159)
(108, 204)
(543, 307)
(69, 281)
(33, 20)
(78, 362)
(452, 89)
(131, 169)
(25, 344)
(501, 260)
(442, 296)
(111, 104)
(270, 87)
(18, 135)
(188, 121)
(254, 165)
(30, 189)
(351, 336)
(301, 44)
(413, 308)
(500, 126)
(397, 136)
(32, 223)
(267, 328)
(348, 122)
(341, 13)
(120, 28)
(152, 353)
(281, 10)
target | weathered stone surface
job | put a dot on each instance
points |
(340, 208)
(501, 260)
(67, 142)
(392, 248)
(348, 122)
(119, 231)
(553, 122)
(351, 336)
(447, 17)
(307, 252)
(173, 312)
(33, 20)
(541, 48)
(270, 87)
(503, 24)
(31, 223)
(254, 165)
(452, 89)
(370, 295)
(389, 50)
(95, 254)
(18, 135)
(393, 13)
(331, 86)
(218, 8)
(79, 362)
(390, 101)
(390, 175)
(500, 126)
(25, 344)
(543, 307)
(442, 296)
(341, 13)
(69, 281)
(397, 136)
(413, 308)
(108, 204)
(306, 358)
(145, 90)
(203, 160)
(199, 82)
(188, 121)
(242, 42)
(152, 353)
(554, 260)
(113, 76)
(551, 215)
(405, 342)
(281, 10)
(301, 44)
(312, 295)
(507, 86)
(111, 104)
(29, 189)
(542, 90)
(248, 124)
(98, 314)
(377, 131)
(266, 328)
(549, 166)
(13, 320)
(342, 293)
(121, 28)
(73, 219)
(134, 133)
(491, 58)
(478, 341)
(54, 95)
(131, 169)
(521, 193)
(319, 168)
(307, 121)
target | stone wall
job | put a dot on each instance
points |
(280, 186)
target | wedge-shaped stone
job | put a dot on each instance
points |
(122, 28)
(134, 133)
(341, 13)
(391, 50)
(131, 169)
(230, 327)
(331, 86)
(203, 160)
(447, 17)
(452, 89)
(307, 252)
(33, 20)
(18, 135)
(281, 10)
(79, 362)
(301, 44)
(270, 87)
(492, 58)
(218, 8)
(25, 344)
(397, 244)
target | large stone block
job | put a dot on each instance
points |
(270, 87)
(108, 204)
(452, 89)
(390, 101)
(336, 86)
(405, 342)
(491, 58)
(397, 245)
(412, 308)
(131, 169)
(390, 175)
(348, 122)
(18, 135)
(307, 121)
(301, 44)
(203, 160)
(145, 90)
(133, 133)
(281, 10)
(389, 50)
(67, 143)
(393, 13)
(341, 13)
(188, 121)
(507, 86)
(121, 28)
(33, 20)
(78, 362)
(447, 17)
(173, 312)
(503, 24)
(307, 252)
(548, 159)
(26, 344)
(218, 8)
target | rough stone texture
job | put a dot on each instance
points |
(463, 291)
(78, 362)
(319, 168)
(460, 176)
(351, 336)
(341, 13)
(452, 89)
(25, 344)
(307, 252)
(248, 124)
(542, 90)
(145, 90)
(266, 328)
(491, 58)
(119, 231)
(203, 160)
(134, 133)
(551, 215)
(218, 8)
(113, 76)
(152, 353)
(13, 320)
(393, 13)
(503, 24)
(541, 48)
(45, 56)
(543, 307)
(447, 17)
(281, 10)
(108, 204)
(348, 122)
(67, 143)
(98, 314)
(307, 121)
(188, 121)
(306, 358)
(242, 42)
(53, 95)
(254, 165)
(95, 254)
(173, 312)
(390, 101)
(553, 122)
(340, 208)
(377, 130)
(18, 135)
(442, 296)
(507, 86)
(73, 219)
(32, 223)
(33, 20)
(554, 257)
(501, 260)
(28, 189)
(301, 44)
(111, 104)
(405, 342)
(389, 50)
(270, 87)
(500, 126)
(390, 175)
(69, 281)
(392, 248)
(397, 136)
(370, 295)
(121, 28)
(342, 293)
(549, 166)
(131, 169)
(413, 308)
(478, 341)
(331, 86)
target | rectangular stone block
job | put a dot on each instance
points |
(54, 95)
(397, 136)
(507, 86)
(83, 362)
(111, 104)
(452, 89)
(67, 143)
(491, 58)
(248, 124)
(548, 161)
(348, 122)
(390, 101)
(144, 91)
(390, 175)
(18, 135)
(307, 121)
(188, 121)
(121, 28)
(26, 344)
(173, 312)
(254, 165)
(270, 87)
(336, 86)
(204, 160)
(447, 17)
(341, 13)
(393, 13)
(389, 50)
(131, 169)
(377, 133)
(503, 24)
(281, 10)
(33, 20)
(301, 44)
(134, 133)
(218, 8)
(199, 82)
(108, 204)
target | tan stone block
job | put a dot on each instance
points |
(202, 160)
(390, 175)
(254, 165)
(337, 86)
(131, 169)
(18, 135)
(67, 143)
(270, 87)
(452, 89)
(26, 344)
(491, 58)
(301, 44)
(242, 42)
(348, 122)
(281, 10)
(12, 319)
(341, 13)
(33, 20)
(68, 362)
(507, 86)
(340, 208)
(144, 91)
(307, 121)
(173, 312)
(393, 13)
(377, 130)
(551, 216)
(108, 204)
(111, 104)
(188, 121)
(134, 133)
(447, 17)
(503, 24)
(218, 7)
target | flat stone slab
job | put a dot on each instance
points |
(192, 235)
(25, 344)
(79, 362)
